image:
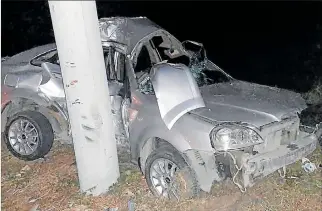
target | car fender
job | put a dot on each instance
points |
(50, 109)
(144, 144)
(30, 94)
(160, 131)
(185, 96)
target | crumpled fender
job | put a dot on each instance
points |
(37, 97)
(185, 95)
(40, 99)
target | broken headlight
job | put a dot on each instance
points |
(234, 137)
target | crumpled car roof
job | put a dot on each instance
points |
(126, 30)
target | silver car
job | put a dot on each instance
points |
(187, 123)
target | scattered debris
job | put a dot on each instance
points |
(111, 209)
(40, 160)
(282, 180)
(268, 194)
(282, 173)
(131, 205)
(308, 166)
(33, 200)
(128, 172)
(292, 177)
(35, 208)
(80, 208)
(25, 169)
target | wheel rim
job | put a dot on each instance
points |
(23, 136)
(162, 175)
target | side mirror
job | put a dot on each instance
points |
(195, 48)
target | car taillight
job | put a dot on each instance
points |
(4, 96)
(136, 100)
(132, 114)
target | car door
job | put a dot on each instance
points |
(115, 71)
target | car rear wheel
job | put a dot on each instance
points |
(29, 135)
(168, 175)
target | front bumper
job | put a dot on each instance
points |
(258, 166)
(252, 167)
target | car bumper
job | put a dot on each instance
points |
(261, 165)
(254, 167)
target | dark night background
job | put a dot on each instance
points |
(273, 43)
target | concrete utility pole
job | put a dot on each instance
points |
(80, 53)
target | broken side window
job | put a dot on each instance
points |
(143, 64)
(109, 64)
(156, 42)
(142, 70)
(115, 72)
(167, 52)
(114, 64)
(119, 62)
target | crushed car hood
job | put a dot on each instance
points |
(176, 91)
(255, 104)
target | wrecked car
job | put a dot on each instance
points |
(187, 123)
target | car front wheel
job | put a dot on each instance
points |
(29, 135)
(168, 175)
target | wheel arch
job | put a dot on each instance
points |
(19, 102)
(152, 142)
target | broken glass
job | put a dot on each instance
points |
(197, 70)
(146, 86)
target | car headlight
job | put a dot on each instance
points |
(234, 137)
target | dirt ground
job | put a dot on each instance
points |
(52, 184)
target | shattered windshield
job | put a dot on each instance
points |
(189, 53)
(201, 68)
(206, 75)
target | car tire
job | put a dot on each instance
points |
(184, 177)
(30, 140)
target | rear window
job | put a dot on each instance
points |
(50, 56)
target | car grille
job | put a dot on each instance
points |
(278, 133)
(292, 156)
(272, 161)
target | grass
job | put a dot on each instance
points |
(53, 185)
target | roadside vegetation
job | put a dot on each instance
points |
(52, 184)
